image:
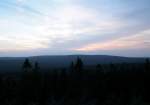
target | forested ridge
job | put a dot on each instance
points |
(105, 84)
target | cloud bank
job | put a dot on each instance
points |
(77, 26)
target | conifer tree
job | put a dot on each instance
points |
(36, 66)
(147, 65)
(72, 65)
(79, 64)
(27, 65)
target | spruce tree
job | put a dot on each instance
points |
(147, 65)
(27, 65)
(79, 64)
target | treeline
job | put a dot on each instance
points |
(113, 84)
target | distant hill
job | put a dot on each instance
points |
(51, 62)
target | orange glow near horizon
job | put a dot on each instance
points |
(136, 41)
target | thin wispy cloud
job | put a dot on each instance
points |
(73, 25)
(138, 41)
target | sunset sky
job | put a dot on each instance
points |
(62, 27)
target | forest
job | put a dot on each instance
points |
(106, 84)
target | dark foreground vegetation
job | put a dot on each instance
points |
(113, 84)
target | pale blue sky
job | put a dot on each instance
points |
(61, 27)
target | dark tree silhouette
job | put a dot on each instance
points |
(72, 65)
(99, 67)
(147, 65)
(112, 67)
(79, 64)
(27, 65)
(36, 66)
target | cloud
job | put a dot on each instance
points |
(21, 44)
(72, 25)
(21, 7)
(21, 1)
(138, 41)
(71, 22)
(64, 24)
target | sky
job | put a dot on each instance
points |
(66, 27)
